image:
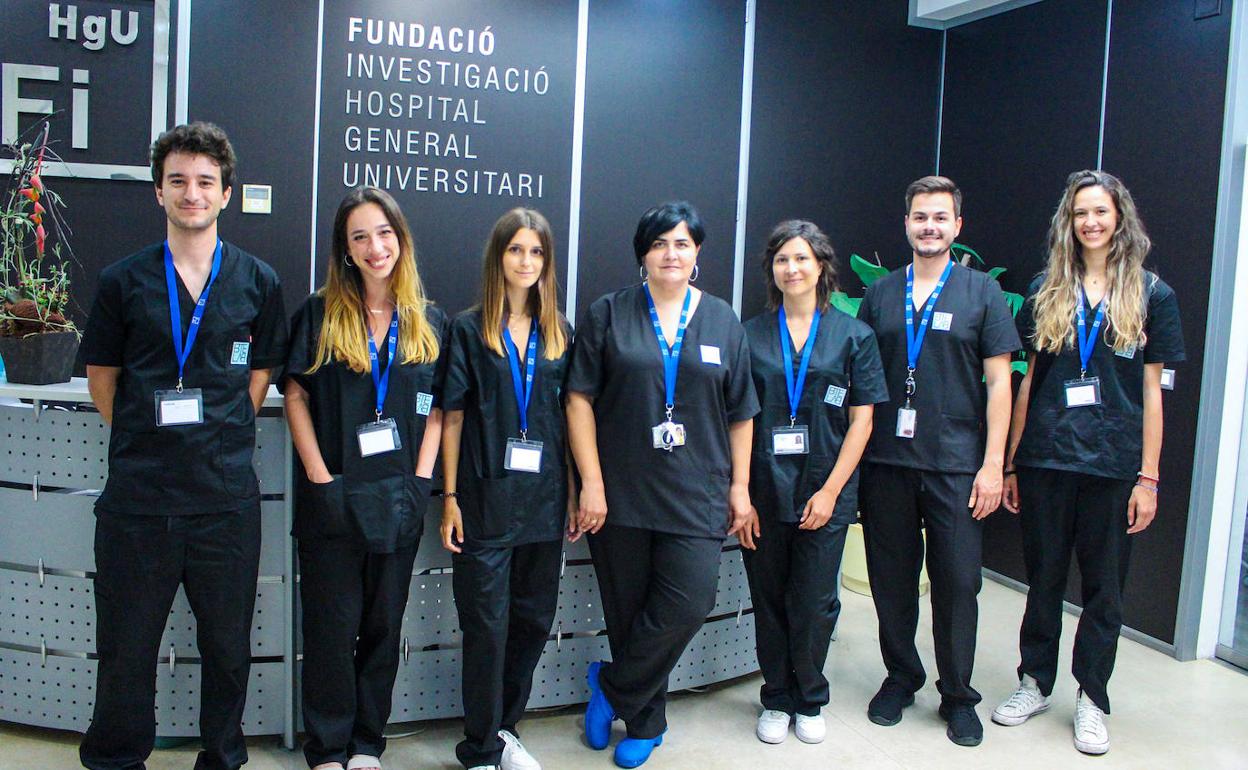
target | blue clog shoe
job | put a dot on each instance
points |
(633, 752)
(598, 714)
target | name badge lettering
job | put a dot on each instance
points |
(240, 354)
(942, 322)
(424, 402)
(378, 437)
(1128, 353)
(185, 407)
(710, 354)
(794, 440)
(906, 420)
(835, 395)
(1084, 392)
(523, 456)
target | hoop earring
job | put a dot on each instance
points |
(696, 273)
(346, 260)
(641, 270)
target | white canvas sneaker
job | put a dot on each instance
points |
(772, 727)
(1024, 703)
(1091, 736)
(515, 756)
(810, 729)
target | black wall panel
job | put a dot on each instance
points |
(1163, 138)
(844, 117)
(662, 122)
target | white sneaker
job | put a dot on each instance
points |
(1091, 736)
(1024, 703)
(810, 729)
(515, 756)
(772, 727)
(484, 767)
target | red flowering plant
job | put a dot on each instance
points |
(34, 279)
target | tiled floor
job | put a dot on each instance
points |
(1166, 715)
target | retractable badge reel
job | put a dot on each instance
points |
(522, 454)
(907, 416)
(794, 439)
(381, 435)
(183, 406)
(668, 434)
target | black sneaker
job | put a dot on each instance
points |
(964, 728)
(885, 708)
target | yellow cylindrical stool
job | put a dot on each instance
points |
(854, 564)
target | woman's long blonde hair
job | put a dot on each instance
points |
(1054, 308)
(344, 332)
(543, 295)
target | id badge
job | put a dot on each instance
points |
(1085, 392)
(523, 455)
(179, 408)
(378, 437)
(790, 440)
(906, 419)
(668, 435)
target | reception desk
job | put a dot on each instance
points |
(53, 463)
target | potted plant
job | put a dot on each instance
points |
(38, 342)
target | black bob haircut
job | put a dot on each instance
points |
(662, 218)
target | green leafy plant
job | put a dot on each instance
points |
(34, 280)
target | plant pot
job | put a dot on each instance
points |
(39, 359)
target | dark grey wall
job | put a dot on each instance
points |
(844, 117)
(1022, 110)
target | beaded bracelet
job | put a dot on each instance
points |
(1146, 486)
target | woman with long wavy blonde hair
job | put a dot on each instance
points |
(362, 403)
(1085, 439)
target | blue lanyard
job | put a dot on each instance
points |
(795, 385)
(914, 340)
(183, 351)
(524, 387)
(671, 356)
(381, 380)
(1087, 340)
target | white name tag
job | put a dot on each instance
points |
(378, 437)
(906, 420)
(942, 321)
(424, 402)
(184, 408)
(710, 355)
(835, 395)
(1128, 353)
(240, 353)
(523, 456)
(793, 440)
(1083, 392)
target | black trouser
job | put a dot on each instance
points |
(657, 589)
(793, 577)
(897, 505)
(139, 563)
(353, 604)
(506, 598)
(1060, 511)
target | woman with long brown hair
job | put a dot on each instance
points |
(1085, 439)
(362, 403)
(506, 487)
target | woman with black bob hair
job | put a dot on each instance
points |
(505, 482)
(659, 419)
(818, 376)
(362, 403)
(1085, 439)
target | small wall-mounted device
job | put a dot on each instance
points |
(257, 199)
(1167, 379)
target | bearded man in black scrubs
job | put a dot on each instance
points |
(178, 348)
(943, 330)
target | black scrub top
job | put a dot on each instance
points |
(844, 371)
(616, 361)
(1106, 439)
(183, 470)
(504, 508)
(379, 500)
(950, 399)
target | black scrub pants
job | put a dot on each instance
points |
(897, 504)
(353, 603)
(1062, 511)
(506, 598)
(793, 576)
(657, 589)
(140, 561)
